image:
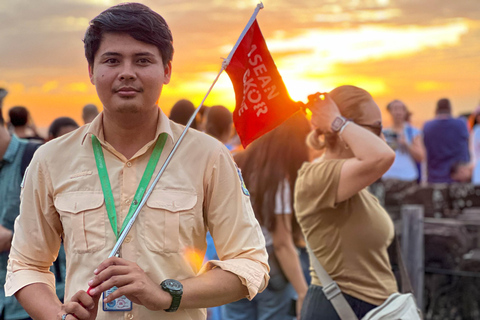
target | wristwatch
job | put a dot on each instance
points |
(338, 124)
(175, 288)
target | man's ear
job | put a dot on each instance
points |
(167, 73)
(90, 73)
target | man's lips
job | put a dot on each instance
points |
(127, 91)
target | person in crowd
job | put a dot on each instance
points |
(475, 146)
(406, 140)
(129, 52)
(344, 224)
(12, 155)
(89, 112)
(446, 141)
(219, 124)
(269, 167)
(23, 125)
(462, 172)
(201, 118)
(61, 126)
(181, 112)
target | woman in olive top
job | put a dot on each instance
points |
(346, 227)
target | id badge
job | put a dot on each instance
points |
(119, 304)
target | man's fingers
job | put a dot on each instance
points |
(122, 291)
(76, 310)
(107, 273)
(84, 299)
(114, 281)
(113, 261)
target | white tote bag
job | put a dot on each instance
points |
(396, 307)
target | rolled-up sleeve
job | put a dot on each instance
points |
(237, 235)
(37, 235)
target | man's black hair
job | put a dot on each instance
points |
(59, 123)
(18, 116)
(181, 112)
(443, 106)
(135, 19)
(2, 121)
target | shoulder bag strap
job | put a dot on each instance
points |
(331, 289)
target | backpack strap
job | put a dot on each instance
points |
(30, 149)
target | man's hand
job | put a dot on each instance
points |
(131, 282)
(5, 238)
(82, 306)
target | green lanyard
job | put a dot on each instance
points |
(142, 186)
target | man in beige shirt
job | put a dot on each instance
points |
(66, 196)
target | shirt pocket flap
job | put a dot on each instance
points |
(78, 201)
(172, 200)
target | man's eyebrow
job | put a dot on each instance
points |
(144, 54)
(111, 54)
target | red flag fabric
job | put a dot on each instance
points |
(262, 100)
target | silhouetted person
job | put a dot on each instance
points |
(61, 126)
(446, 143)
(22, 123)
(181, 112)
(219, 123)
(89, 112)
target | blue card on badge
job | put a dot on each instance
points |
(119, 304)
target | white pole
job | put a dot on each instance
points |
(249, 24)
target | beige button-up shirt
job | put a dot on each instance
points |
(200, 190)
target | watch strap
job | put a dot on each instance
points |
(175, 303)
(176, 294)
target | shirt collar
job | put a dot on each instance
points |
(96, 127)
(12, 149)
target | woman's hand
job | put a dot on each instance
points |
(324, 111)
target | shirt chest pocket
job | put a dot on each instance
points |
(83, 219)
(169, 216)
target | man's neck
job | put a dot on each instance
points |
(21, 132)
(5, 139)
(443, 116)
(398, 126)
(128, 133)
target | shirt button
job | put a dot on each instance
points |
(130, 316)
(128, 239)
(129, 164)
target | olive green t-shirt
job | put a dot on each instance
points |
(349, 238)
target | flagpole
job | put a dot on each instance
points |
(249, 24)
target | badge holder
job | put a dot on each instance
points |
(119, 304)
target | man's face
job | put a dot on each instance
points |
(128, 74)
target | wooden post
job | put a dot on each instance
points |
(413, 247)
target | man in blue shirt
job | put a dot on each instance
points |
(11, 153)
(446, 143)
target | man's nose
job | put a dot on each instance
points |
(127, 72)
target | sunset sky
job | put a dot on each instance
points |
(415, 50)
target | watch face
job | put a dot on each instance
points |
(337, 124)
(173, 285)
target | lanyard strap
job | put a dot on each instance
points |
(142, 186)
